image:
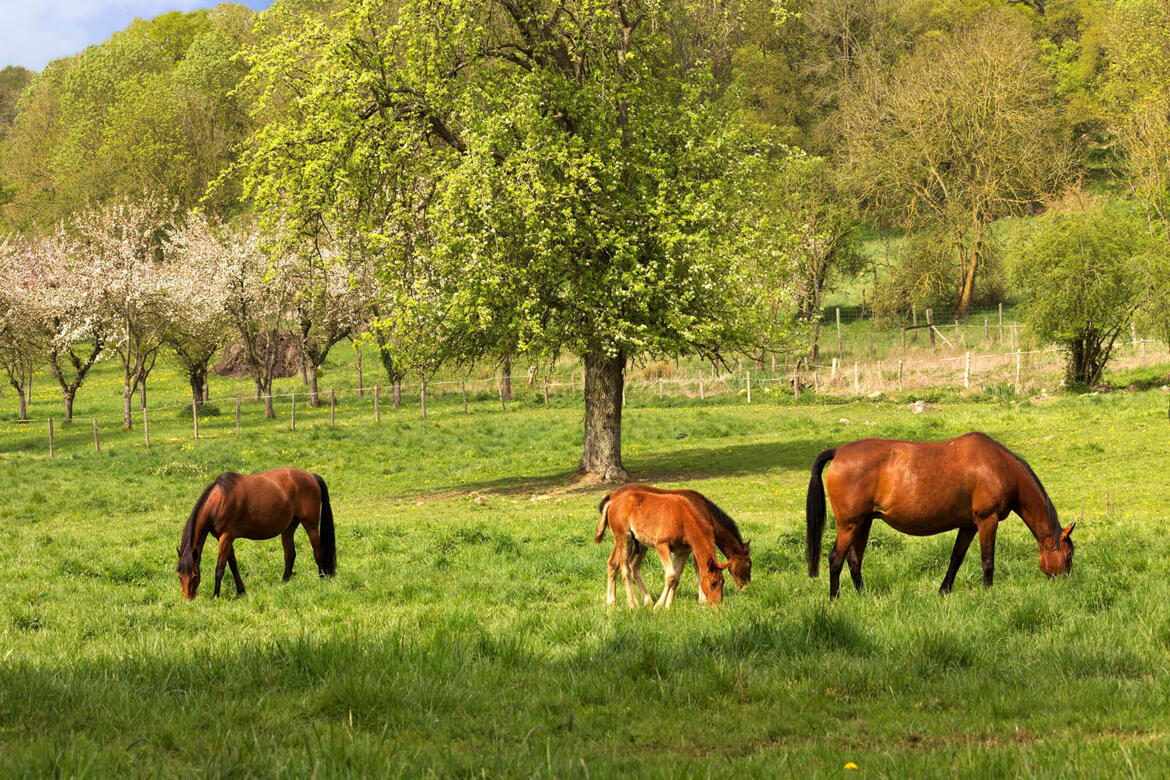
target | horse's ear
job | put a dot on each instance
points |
(1068, 531)
(747, 546)
(179, 549)
(713, 564)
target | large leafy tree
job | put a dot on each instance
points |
(540, 174)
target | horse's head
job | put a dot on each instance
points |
(1056, 561)
(741, 566)
(188, 570)
(712, 581)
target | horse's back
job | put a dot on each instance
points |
(920, 487)
(266, 502)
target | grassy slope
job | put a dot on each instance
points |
(460, 637)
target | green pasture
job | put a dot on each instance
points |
(465, 633)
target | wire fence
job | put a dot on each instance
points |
(1016, 371)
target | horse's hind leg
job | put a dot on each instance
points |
(636, 565)
(628, 551)
(837, 558)
(611, 573)
(225, 553)
(962, 542)
(315, 540)
(290, 549)
(857, 552)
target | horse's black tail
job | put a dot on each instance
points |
(328, 538)
(814, 509)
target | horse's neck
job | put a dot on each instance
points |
(1033, 508)
(725, 540)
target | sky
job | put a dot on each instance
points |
(33, 32)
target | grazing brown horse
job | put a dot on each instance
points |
(670, 524)
(728, 538)
(969, 483)
(258, 506)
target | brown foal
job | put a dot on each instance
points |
(970, 483)
(640, 519)
(728, 538)
(257, 506)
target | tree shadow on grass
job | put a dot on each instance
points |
(696, 463)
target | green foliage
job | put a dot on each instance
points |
(1084, 274)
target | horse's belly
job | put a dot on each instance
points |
(924, 525)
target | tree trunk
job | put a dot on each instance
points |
(196, 379)
(314, 399)
(507, 379)
(127, 405)
(259, 390)
(397, 393)
(21, 400)
(269, 412)
(69, 395)
(142, 395)
(604, 379)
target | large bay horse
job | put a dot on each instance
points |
(969, 483)
(728, 538)
(258, 506)
(672, 525)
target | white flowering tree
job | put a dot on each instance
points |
(69, 295)
(258, 299)
(199, 325)
(123, 243)
(24, 334)
(327, 306)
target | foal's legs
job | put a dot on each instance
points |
(962, 542)
(225, 554)
(699, 577)
(628, 551)
(987, 528)
(636, 565)
(611, 570)
(857, 552)
(670, 575)
(290, 549)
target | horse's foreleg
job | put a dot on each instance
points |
(699, 578)
(962, 542)
(670, 578)
(225, 552)
(236, 573)
(857, 553)
(987, 530)
(678, 563)
(290, 550)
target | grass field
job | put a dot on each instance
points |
(464, 638)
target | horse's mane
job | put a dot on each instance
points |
(723, 519)
(1053, 520)
(225, 481)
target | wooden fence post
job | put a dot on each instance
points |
(871, 345)
(96, 444)
(51, 452)
(749, 386)
(463, 390)
(840, 348)
(422, 394)
(957, 333)
(546, 393)
(700, 384)
(856, 377)
(930, 325)
(986, 330)
(237, 415)
(500, 390)
(1018, 356)
(661, 388)
(796, 383)
(816, 381)
(292, 420)
(1001, 322)
(195, 418)
(914, 315)
(623, 395)
(361, 387)
(900, 385)
(145, 427)
(377, 403)
(967, 371)
(833, 372)
(1133, 337)
(332, 407)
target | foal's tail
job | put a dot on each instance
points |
(814, 509)
(603, 508)
(328, 538)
